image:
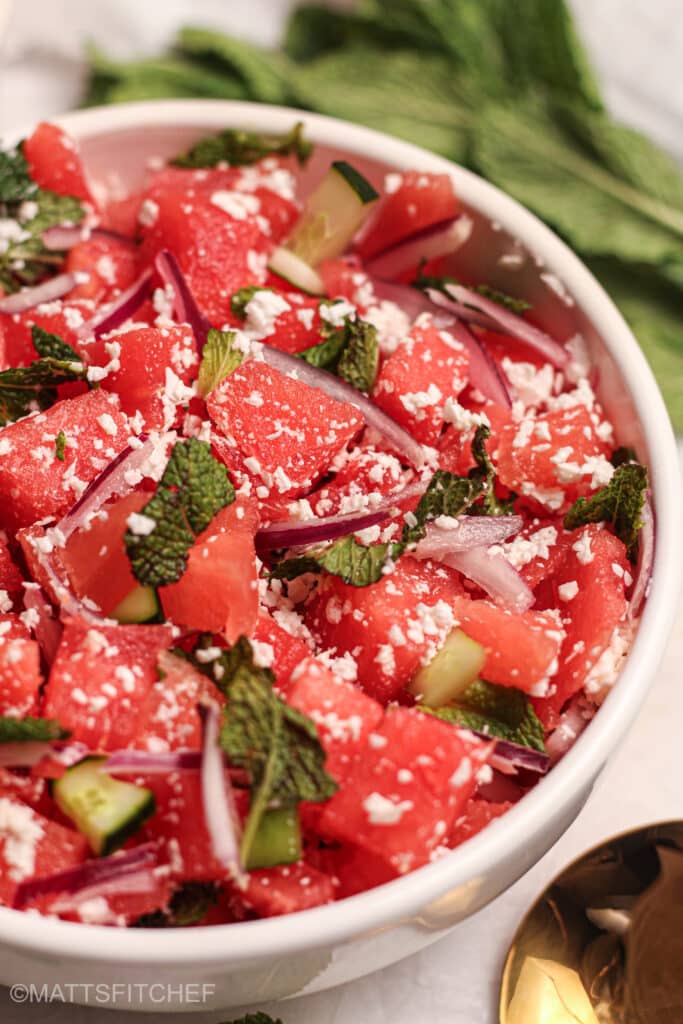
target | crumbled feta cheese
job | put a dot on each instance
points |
(383, 811)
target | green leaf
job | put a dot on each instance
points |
(237, 148)
(188, 905)
(277, 745)
(193, 489)
(219, 359)
(439, 283)
(485, 474)
(26, 389)
(500, 711)
(264, 75)
(26, 260)
(619, 503)
(16, 184)
(60, 446)
(350, 351)
(355, 563)
(30, 730)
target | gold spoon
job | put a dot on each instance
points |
(604, 943)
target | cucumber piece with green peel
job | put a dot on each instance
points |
(452, 669)
(105, 810)
(141, 605)
(294, 271)
(277, 839)
(332, 215)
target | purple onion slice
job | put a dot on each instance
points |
(46, 291)
(646, 555)
(218, 802)
(466, 532)
(92, 872)
(115, 313)
(186, 309)
(428, 243)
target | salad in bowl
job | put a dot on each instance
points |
(318, 553)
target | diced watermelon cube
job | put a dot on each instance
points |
(100, 681)
(59, 317)
(522, 649)
(455, 445)
(20, 675)
(343, 715)
(169, 719)
(222, 564)
(44, 847)
(33, 481)
(111, 262)
(415, 382)
(391, 627)
(478, 813)
(11, 580)
(288, 651)
(55, 164)
(417, 201)
(366, 472)
(304, 428)
(271, 892)
(400, 800)
(595, 564)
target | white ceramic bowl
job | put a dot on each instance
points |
(262, 960)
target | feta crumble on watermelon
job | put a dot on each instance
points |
(292, 557)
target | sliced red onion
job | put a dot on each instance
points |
(503, 320)
(573, 721)
(411, 300)
(508, 757)
(467, 532)
(494, 574)
(220, 814)
(24, 755)
(46, 627)
(135, 762)
(46, 291)
(290, 533)
(646, 555)
(483, 372)
(138, 882)
(111, 481)
(115, 313)
(399, 439)
(90, 873)
(186, 309)
(428, 243)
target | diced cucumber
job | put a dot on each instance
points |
(277, 839)
(332, 215)
(106, 810)
(141, 605)
(451, 670)
(288, 266)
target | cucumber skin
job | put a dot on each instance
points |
(360, 185)
(277, 840)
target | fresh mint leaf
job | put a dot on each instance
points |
(30, 730)
(501, 711)
(60, 446)
(485, 475)
(238, 148)
(16, 183)
(219, 359)
(26, 389)
(350, 351)
(619, 503)
(193, 489)
(276, 745)
(243, 296)
(188, 905)
(263, 74)
(26, 260)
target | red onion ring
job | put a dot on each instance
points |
(46, 291)
(426, 244)
(573, 721)
(471, 532)
(139, 882)
(467, 302)
(184, 303)
(395, 435)
(66, 236)
(90, 873)
(646, 555)
(121, 309)
(219, 806)
(493, 573)
(508, 756)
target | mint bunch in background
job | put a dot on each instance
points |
(503, 88)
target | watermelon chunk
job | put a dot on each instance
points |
(477, 815)
(271, 892)
(413, 201)
(415, 382)
(400, 800)
(11, 580)
(522, 649)
(111, 262)
(168, 718)
(101, 679)
(61, 318)
(222, 564)
(390, 627)
(20, 675)
(306, 427)
(284, 651)
(43, 847)
(54, 162)
(96, 431)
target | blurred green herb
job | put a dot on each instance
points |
(503, 88)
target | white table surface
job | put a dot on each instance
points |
(638, 48)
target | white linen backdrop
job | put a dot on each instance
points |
(637, 46)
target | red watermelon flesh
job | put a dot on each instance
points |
(54, 162)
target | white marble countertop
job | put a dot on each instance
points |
(638, 48)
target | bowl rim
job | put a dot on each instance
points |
(402, 898)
